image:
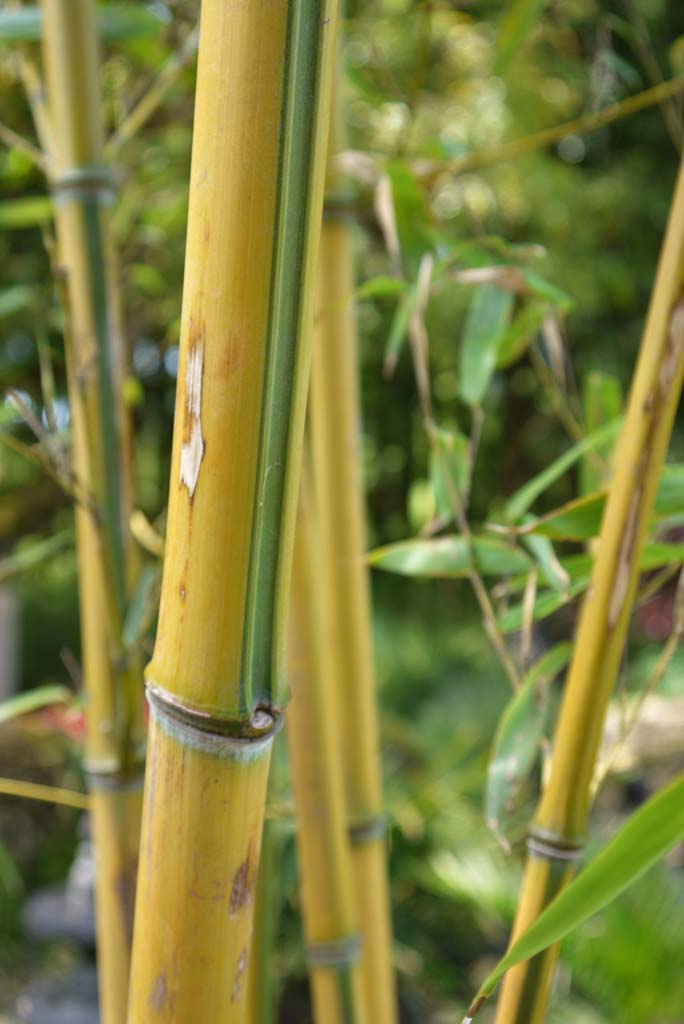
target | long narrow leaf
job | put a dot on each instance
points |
(449, 558)
(33, 700)
(528, 494)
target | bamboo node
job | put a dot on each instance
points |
(115, 781)
(234, 739)
(336, 954)
(551, 846)
(79, 183)
(365, 830)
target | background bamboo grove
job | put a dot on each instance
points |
(417, 245)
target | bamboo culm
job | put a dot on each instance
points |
(216, 682)
(559, 825)
(83, 189)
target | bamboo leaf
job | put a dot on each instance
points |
(378, 287)
(521, 501)
(602, 403)
(520, 333)
(486, 323)
(545, 604)
(518, 23)
(33, 700)
(412, 217)
(30, 212)
(399, 328)
(115, 21)
(642, 841)
(543, 553)
(580, 518)
(14, 299)
(449, 557)
(31, 555)
(142, 606)
(517, 739)
(578, 570)
(449, 470)
(543, 289)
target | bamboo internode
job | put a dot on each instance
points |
(83, 190)
(215, 680)
(559, 825)
(330, 916)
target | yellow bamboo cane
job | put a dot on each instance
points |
(83, 189)
(335, 435)
(314, 744)
(215, 680)
(557, 833)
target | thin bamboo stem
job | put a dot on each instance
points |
(82, 190)
(215, 680)
(50, 794)
(330, 917)
(335, 430)
(558, 829)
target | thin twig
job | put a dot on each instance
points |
(13, 140)
(49, 794)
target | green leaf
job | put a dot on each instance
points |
(543, 553)
(378, 287)
(521, 501)
(399, 327)
(33, 700)
(30, 212)
(142, 606)
(16, 298)
(449, 470)
(578, 570)
(486, 324)
(517, 739)
(580, 519)
(642, 841)
(30, 555)
(521, 333)
(413, 218)
(543, 289)
(449, 557)
(545, 604)
(115, 21)
(602, 403)
(519, 21)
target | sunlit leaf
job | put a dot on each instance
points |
(486, 323)
(449, 557)
(412, 216)
(517, 739)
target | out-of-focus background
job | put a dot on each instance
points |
(428, 83)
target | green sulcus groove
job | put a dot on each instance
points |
(287, 358)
